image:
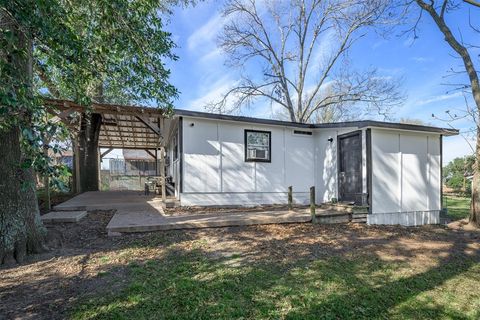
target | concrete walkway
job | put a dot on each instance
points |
(146, 221)
(108, 200)
(139, 213)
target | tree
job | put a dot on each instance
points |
(298, 50)
(438, 10)
(456, 172)
(50, 33)
(127, 49)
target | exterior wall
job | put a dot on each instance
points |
(406, 180)
(326, 173)
(405, 177)
(215, 171)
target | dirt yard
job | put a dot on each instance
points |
(84, 265)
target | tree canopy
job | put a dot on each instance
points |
(458, 172)
(79, 50)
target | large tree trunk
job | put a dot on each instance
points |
(475, 206)
(88, 151)
(20, 226)
(88, 160)
(21, 230)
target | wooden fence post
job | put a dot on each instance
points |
(312, 203)
(162, 174)
(290, 198)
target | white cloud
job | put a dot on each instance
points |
(438, 98)
(207, 33)
(421, 59)
(214, 55)
(211, 92)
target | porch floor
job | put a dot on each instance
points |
(139, 213)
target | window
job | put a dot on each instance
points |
(258, 146)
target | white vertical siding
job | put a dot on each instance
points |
(215, 171)
(405, 177)
(299, 161)
(201, 157)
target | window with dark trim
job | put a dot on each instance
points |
(258, 146)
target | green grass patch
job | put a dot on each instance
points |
(458, 207)
(192, 285)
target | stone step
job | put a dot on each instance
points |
(69, 208)
(63, 216)
(341, 207)
(359, 215)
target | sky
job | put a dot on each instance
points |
(201, 76)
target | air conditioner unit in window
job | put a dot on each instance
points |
(258, 154)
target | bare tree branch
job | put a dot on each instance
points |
(461, 48)
(300, 46)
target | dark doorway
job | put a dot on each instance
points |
(350, 167)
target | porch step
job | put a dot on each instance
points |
(359, 217)
(332, 217)
(62, 207)
(344, 207)
(171, 203)
(340, 217)
(63, 216)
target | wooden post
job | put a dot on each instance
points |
(76, 166)
(162, 173)
(312, 204)
(156, 161)
(46, 185)
(290, 198)
(46, 180)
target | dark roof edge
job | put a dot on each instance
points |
(357, 124)
(216, 116)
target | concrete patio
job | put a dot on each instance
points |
(136, 212)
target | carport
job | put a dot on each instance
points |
(100, 128)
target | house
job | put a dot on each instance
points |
(395, 169)
(216, 160)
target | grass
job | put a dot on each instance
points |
(191, 285)
(458, 207)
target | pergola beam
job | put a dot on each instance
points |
(152, 126)
(106, 152)
(151, 154)
(104, 108)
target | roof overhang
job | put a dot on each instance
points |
(134, 127)
(126, 127)
(347, 124)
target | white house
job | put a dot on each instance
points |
(394, 169)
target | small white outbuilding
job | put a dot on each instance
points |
(395, 169)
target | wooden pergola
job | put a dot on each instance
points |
(122, 127)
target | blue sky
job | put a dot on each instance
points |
(201, 76)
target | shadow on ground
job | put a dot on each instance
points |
(298, 271)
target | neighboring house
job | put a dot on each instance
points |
(393, 168)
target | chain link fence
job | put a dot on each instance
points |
(121, 174)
